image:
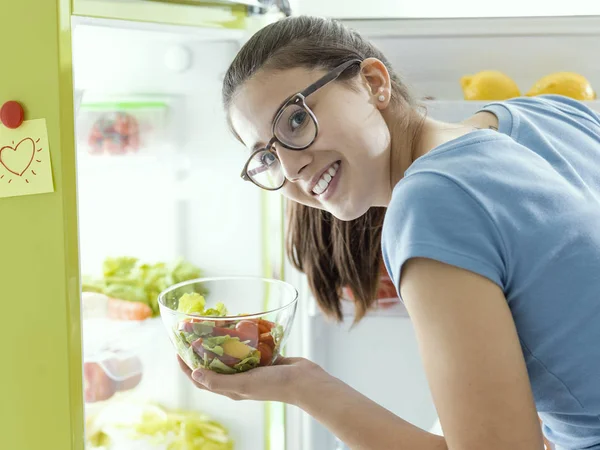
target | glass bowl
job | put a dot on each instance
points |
(232, 341)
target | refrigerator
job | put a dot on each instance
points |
(175, 192)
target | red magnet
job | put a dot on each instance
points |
(12, 114)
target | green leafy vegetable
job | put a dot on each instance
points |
(184, 430)
(217, 349)
(186, 351)
(219, 310)
(219, 340)
(127, 278)
(203, 328)
(249, 362)
(218, 366)
(214, 343)
(191, 303)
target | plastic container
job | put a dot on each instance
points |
(122, 126)
(112, 360)
(232, 343)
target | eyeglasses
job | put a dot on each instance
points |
(295, 127)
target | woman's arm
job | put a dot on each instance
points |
(361, 423)
(473, 362)
(472, 357)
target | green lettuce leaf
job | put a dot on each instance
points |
(203, 328)
(186, 351)
(127, 278)
(214, 343)
(191, 303)
(219, 311)
(120, 265)
(182, 430)
(218, 366)
(219, 340)
(249, 362)
(217, 349)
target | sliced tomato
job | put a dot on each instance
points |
(248, 328)
(267, 338)
(266, 354)
(264, 326)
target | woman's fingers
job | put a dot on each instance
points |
(235, 383)
(272, 383)
(188, 372)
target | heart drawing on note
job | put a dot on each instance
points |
(17, 158)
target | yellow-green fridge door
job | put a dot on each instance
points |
(40, 380)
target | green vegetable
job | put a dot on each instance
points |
(90, 284)
(217, 349)
(219, 310)
(214, 343)
(127, 278)
(186, 351)
(203, 328)
(249, 362)
(190, 337)
(191, 303)
(218, 366)
(219, 340)
(184, 431)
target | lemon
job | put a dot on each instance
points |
(489, 85)
(568, 84)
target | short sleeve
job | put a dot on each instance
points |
(431, 216)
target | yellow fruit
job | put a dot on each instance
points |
(489, 85)
(568, 84)
(236, 349)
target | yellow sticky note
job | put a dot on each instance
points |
(25, 166)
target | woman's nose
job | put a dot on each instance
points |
(293, 162)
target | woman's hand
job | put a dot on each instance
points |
(281, 382)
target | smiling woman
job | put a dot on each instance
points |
(317, 112)
(462, 212)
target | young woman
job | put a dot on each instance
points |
(490, 229)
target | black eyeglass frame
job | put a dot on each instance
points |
(300, 100)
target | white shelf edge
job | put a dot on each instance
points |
(455, 27)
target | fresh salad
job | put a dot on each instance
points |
(133, 286)
(224, 346)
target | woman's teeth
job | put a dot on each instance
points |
(323, 183)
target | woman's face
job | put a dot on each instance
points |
(352, 144)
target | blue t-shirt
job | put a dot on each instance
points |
(521, 207)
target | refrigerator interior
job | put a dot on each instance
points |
(181, 195)
(176, 195)
(431, 56)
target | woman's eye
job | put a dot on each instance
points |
(297, 119)
(268, 159)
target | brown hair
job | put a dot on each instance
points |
(332, 253)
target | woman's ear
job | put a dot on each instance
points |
(377, 80)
